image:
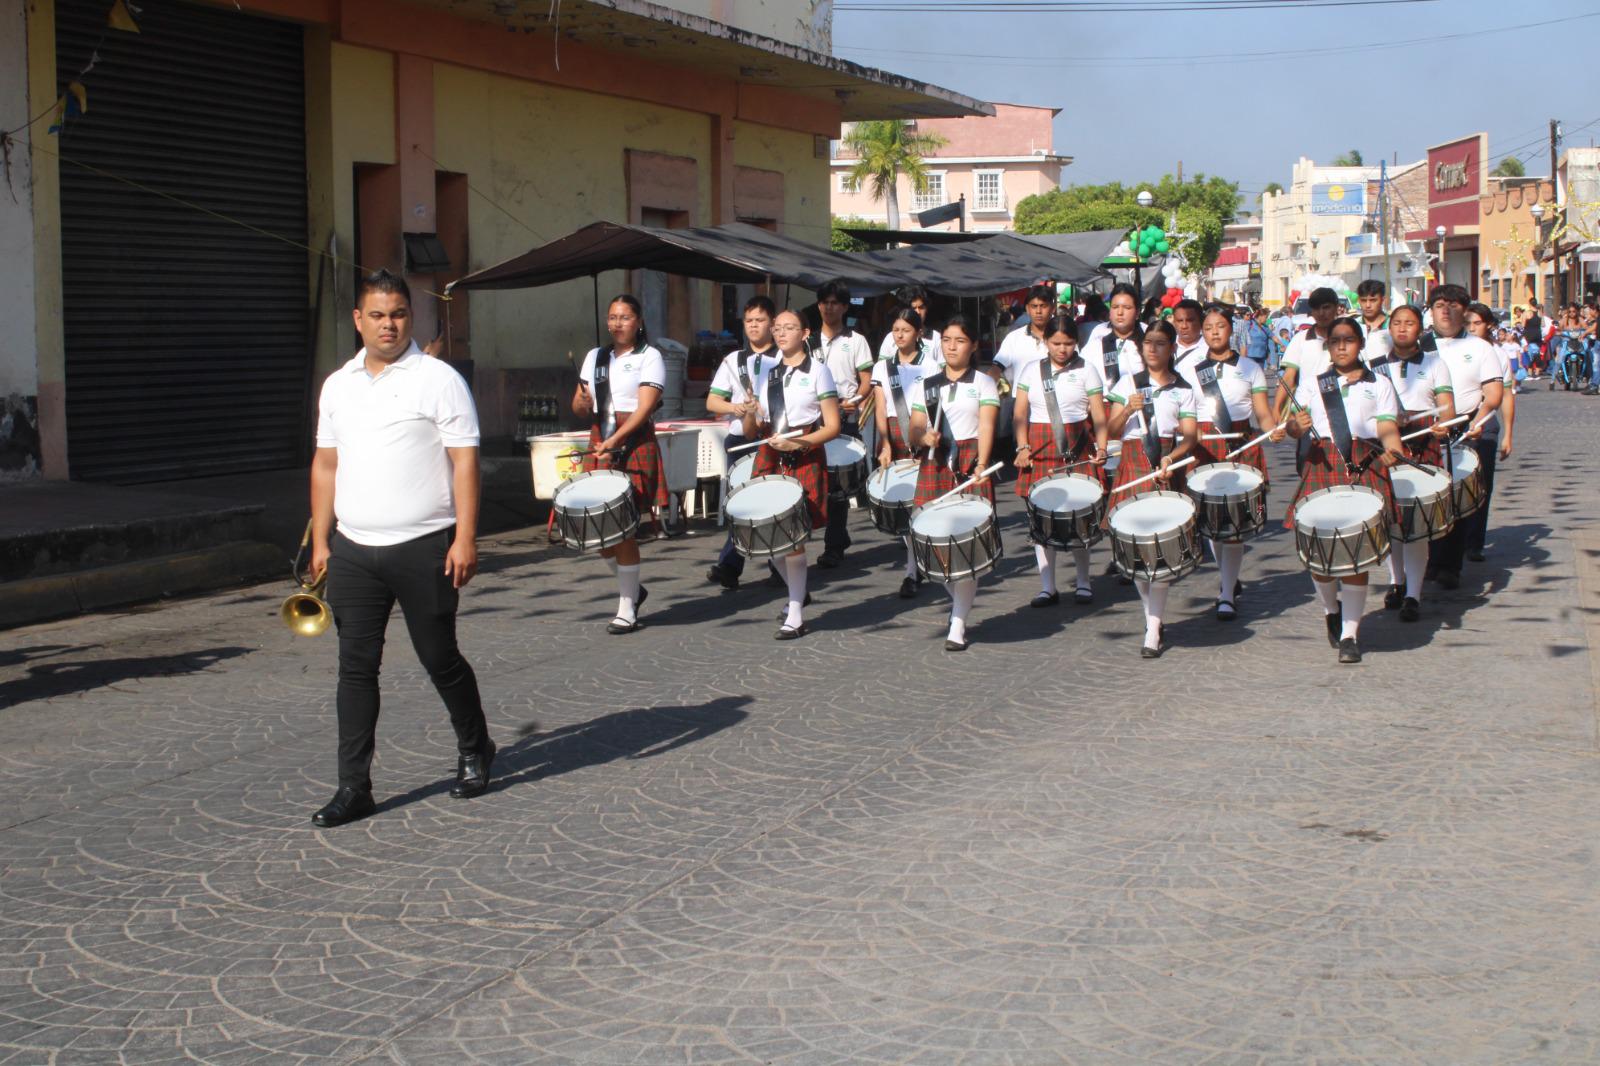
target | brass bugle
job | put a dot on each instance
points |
(305, 612)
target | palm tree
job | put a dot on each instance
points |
(885, 149)
(1352, 158)
(1272, 188)
(1509, 167)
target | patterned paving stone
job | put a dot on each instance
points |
(707, 847)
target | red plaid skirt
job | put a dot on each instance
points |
(1134, 465)
(642, 463)
(810, 468)
(1042, 445)
(1212, 451)
(936, 479)
(1325, 468)
(1427, 449)
(897, 443)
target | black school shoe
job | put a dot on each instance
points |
(789, 633)
(830, 559)
(1335, 623)
(1349, 652)
(908, 589)
(348, 805)
(726, 578)
(1226, 611)
(1147, 652)
(472, 774)
(1045, 599)
(1394, 598)
(956, 645)
(1448, 580)
(1410, 610)
(1475, 554)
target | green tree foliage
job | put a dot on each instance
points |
(1204, 205)
(1352, 158)
(1510, 167)
(1271, 188)
(843, 242)
(885, 149)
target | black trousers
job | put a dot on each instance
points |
(1448, 552)
(836, 535)
(364, 584)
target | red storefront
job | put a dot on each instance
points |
(1457, 177)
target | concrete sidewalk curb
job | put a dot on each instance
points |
(40, 599)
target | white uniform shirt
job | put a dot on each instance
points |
(1366, 403)
(1019, 348)
(727, 376)
(805, 386)
(1471, 361)
(1074, 386)
(959, 402)
(909, 374)
(846, 354)
(932, 344)
(1307, 353)
(1417, 383)
(1378, 342)
(1239, 381)
(1129, 359)
(394, 480)
(628, 372)
(1185, 356)
(1172, 405)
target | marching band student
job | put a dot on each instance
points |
(1153, 412)
(1058, 395)
(1026, 345)
(1480, 323)
(1370, 296)
(1114, 346)
(1477, 379)
(758, 349)
(848, 357)
(892, 381)
(914, 297)
(1230, 392)
(1352, 443)
(795, 393)
(1307, 354)
(1422, 386)
(1190, 346)
(953, 417)
(619, 386)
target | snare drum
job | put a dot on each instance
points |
(767, 517)
(741, 470)
(1066, 511)
(890, 491)
(1153, 536)
(847, 467)
(1341, 530)
(955, 538)
(1425, 498)
(595, 510)
(1468, 477)
(1230, 501)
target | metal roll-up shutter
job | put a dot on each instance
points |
(185, 322)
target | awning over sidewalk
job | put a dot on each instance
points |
(999, 262)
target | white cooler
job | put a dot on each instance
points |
(551, 464)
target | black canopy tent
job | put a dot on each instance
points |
(1000, 262)
(1090, 247)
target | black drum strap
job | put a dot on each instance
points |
(1152, 428)
(777, 416)
(605, 414)
(897, 393)
(746, 371)
(1331, 387)
(1058, 430)
(1206, 374)
(933, 403)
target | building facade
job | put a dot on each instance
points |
(1509, 241)
(182, 254)
(990, 162)
(1306, 228)
(1458, 180)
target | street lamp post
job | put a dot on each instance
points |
(1439, 232)
(1144, 199)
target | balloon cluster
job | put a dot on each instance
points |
(1172, 275)
(1152, 240)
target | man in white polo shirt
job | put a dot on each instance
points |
(397, 467)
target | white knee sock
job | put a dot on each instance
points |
(1080, 556)
(1230, 560)
(1328, 593)
(1397, 564)
(1416, 554)
(1353, 599)
(628, 591)
(911, 559)
(1046, 558)
(795, 573)
(1155, 607)
(963, 594)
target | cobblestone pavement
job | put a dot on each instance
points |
(705, 846)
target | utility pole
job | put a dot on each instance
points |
(1555, 261)
(1383, 222)
(1180, 172)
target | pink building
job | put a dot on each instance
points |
(993, 161)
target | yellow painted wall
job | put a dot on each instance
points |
(553, 159)
(49, 334)
(805, 177)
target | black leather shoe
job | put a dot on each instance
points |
(1225, 611)
(790, 632)
(956, 645)
(1475, 554)
(472, 774)
(617, 627)
(1449, 580)
(1045, 599)
(1083, 595)
(1410, 610)
(1394, 598)
(908, 589)
(348, 805)
(726, 578)
(829, 559)
(1335, 623)
(1349, 652)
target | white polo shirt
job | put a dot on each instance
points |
(932, 343)
(908, 373)
(1472, 361)
(628, 372)
(1368, 400)
(805, 386)
(1172, 405)
(394, 481)
(1307, 353)
(1186, 356)
(1130, 360)
(1417, 383)
(727, 376)
(1074, 386)
(1019, 349)
(959, 401)
(1239, 381)
(846, 354)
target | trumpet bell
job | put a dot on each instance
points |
(306, 614)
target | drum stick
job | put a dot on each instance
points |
(1153, 476)
(759, 443)
(967, 484)
(1222, 436)
(1424, 432)
(1480, 422)
(1246, 447)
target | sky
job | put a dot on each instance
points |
(1133, 105)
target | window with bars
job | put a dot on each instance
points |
(991, 191)
(934, 195)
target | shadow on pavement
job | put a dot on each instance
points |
(49, 680)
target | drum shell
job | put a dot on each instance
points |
(1164, 556)
(889, 516)
(770, 536)
(1348, 550)
(1467, 492)
(1426, 517)
(599, 526)
(846, 480)
(953, 558)
(1077, 528)
(1230, 517)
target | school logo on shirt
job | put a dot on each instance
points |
(972, 392)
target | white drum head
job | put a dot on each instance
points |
(764, 499)
(1224, 479)
(843, 451)
(953, 518)
(1066, 492)
(1153, 514)
(893, 484)
(596, 490)
(1465, 461)
(1409, 482)
(739, 472)
(1339, 510)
